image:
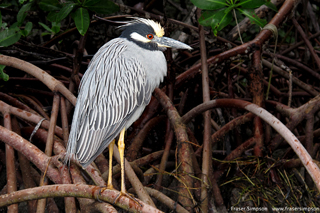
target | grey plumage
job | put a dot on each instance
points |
(114, 91)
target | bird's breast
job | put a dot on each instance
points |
(153, 62)
(157, 64)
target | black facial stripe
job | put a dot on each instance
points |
(143, 30)
(139, 28)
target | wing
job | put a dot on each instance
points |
(112, 90)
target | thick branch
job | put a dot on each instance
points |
(35, 155)
(75, 190)
(184, 149)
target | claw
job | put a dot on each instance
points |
(128, 195)
(101, 190)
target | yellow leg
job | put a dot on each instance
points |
(121, 147)
(110, 186)
(123, 191)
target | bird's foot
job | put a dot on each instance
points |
(109, 186)
(102, 189)
(128, 195)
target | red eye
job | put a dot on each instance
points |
(150, 36)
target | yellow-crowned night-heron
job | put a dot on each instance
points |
(116, 88)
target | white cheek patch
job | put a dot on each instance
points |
(138, 37)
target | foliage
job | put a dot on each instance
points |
(78, 10)
(218, 13)
(3, 75)
(56, 12)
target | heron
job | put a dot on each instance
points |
(115, 89)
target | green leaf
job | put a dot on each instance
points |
(0, 19)
(23, 13)
(207, 17)
(55, 27)
(4, 5)
(102, 6)
(23, 33)
(22, 1)
(3, 25)
(81, 19)
(27, 29)
(49, 5)
(46, 27)
(91, 2)
(64, 12)
(271, 6)
(9, 37)
(45, 33)
(251, 4)
(216, 19)
(3, 75)
(52, 16)
(253, 17)
(220, 21)
(230, 8)
(210, 4)
(14, 26)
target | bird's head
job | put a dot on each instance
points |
(149, 34)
